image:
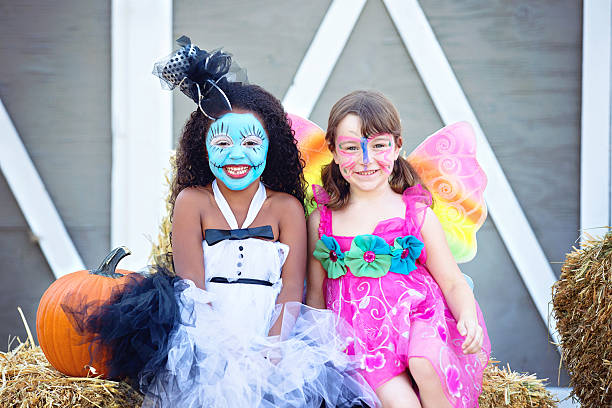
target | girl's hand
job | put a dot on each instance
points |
(473, 333)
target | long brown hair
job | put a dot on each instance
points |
(378, 115)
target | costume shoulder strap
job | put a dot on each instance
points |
(256, 204)
(321, 197)
(417, 199)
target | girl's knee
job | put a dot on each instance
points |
(422, 371)
(398, 393)
(432, 391)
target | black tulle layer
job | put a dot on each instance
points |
(134, 324)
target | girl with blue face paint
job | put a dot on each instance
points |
(237, 146)
(241, 212)
(230, 326)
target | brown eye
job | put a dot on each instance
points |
(252, 141)
(349, 148)
(222, 141)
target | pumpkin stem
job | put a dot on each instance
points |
(109, 264)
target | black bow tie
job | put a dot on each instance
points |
(214, 236)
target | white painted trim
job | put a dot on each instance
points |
(141, 124)
(561, 393)
(453, 106)
(595, 208)
(322, 55)
(35, 202)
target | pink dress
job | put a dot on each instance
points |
(396, 317)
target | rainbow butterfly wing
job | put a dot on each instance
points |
(446, 162)
(311, 143)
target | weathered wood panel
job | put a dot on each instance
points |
(268, 38)
(519, 64)
(55, 84)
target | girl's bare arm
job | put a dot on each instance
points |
(187, 237)
(458, 295)
(292, 231)
(315, 278)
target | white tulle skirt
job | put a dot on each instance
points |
(213, 363)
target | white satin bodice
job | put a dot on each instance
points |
(248, 306)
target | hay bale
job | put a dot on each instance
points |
(582, 306)
(506, 388)
(28, 380)
(161, 252)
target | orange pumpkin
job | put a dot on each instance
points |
(66, 349)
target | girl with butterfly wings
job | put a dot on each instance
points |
(382, 259)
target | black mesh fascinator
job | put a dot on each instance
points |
(200, 75)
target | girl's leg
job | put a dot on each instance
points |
(398, 393)
(430, 388)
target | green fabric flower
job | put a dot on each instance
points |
(405, 252)
(328, 252)
(369, 256)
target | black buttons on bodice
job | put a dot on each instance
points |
(240, 256)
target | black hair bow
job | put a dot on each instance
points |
(200, 75)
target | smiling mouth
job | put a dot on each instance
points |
(366, 172)
(237, 171)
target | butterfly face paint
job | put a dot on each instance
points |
(237, 146)
(373, 153)
(365, 162)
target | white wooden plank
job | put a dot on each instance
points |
(141, 124)
(561, 393)
(35, 202)
(322, 55)
(595, 208)
(453, 106)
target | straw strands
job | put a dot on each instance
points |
(582, 306)
(28, 380)
(502, 387)
(161, 252)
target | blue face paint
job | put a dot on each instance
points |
(237, 146)
(364, 149)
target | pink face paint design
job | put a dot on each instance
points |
(385, 161)
(383, 147)
(347, 168)
(348, 147)
(349, 144)
(354, 150)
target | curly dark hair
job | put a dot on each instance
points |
(284, 165)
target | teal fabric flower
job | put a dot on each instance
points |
(328, 252)
(404, 253)
(369, 256)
